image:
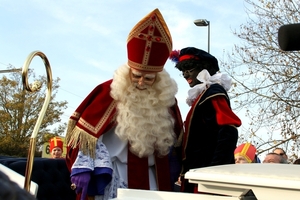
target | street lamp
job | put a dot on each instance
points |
(204, 22)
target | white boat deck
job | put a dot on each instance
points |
(243, 181)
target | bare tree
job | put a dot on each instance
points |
(19, 111)
(266, 79)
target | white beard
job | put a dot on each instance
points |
(143, 116)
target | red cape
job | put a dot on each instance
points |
(94, 117)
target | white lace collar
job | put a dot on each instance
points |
(207, 80)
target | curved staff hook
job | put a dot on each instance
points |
(32, 144)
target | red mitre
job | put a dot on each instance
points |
(56, 142)
(246, 150)
(148, 46)
(149, 43)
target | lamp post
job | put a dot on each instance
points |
(204, 22)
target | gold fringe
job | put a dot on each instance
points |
(71, 126)
(78, 137)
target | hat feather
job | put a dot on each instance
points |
(174, 56)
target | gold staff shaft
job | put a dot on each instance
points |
(42, 113)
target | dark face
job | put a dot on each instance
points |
(191, 76)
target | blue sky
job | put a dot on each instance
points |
(85, 41)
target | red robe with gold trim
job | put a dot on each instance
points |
(94, 117)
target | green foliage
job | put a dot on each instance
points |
(19, 111)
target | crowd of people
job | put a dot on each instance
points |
(129, 133)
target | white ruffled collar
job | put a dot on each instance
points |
(207, 80)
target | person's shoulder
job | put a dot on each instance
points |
(217, 87)
(215, 90)
(106, 83)
(103, 85)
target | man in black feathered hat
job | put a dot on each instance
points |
(211, 133)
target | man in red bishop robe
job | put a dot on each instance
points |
(125, 132)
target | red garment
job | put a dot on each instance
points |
(95, 114)
(94, 117)
(224, 113)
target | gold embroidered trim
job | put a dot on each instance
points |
(86, 142)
